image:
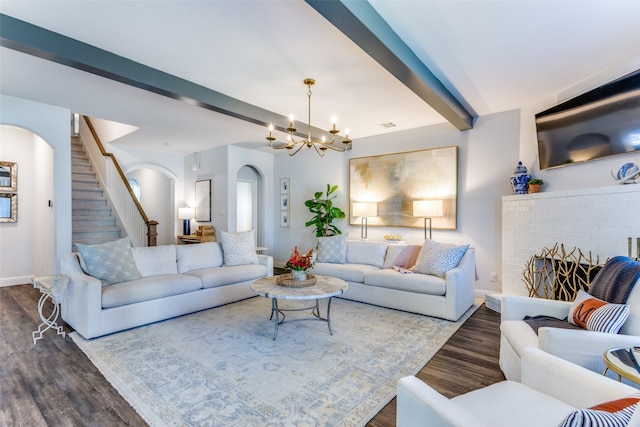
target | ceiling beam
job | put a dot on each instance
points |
(359, 21)
(42, 43)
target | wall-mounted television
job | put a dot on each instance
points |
(600, 123)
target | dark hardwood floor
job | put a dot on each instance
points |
(54, 384)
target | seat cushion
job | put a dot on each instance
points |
(349, 272)
(518, 334)
(509, 404)
(148, 288)
(221, 276)
(419, 283)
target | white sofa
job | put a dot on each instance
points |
(368, 269)
(581, 347)
(551, 389)
(175, 280)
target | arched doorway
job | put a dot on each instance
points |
(249, 209)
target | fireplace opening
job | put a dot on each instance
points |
(558, 274)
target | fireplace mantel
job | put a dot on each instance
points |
(597, 220)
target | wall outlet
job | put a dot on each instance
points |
(493, 276)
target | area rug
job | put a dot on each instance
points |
(221, 367)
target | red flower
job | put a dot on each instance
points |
(299, 262)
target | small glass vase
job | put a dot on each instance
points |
(298, 275)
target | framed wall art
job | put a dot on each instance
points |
(284, 202)
(8, 207)
(203, 201)
(8, 176)
(284, 185)
(396, 181)
(284, 219)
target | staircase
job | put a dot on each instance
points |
(92, 221)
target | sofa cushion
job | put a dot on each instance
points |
(419, 283)
(438, 258)
(221, 276)
(148, 288)
(393, 250)
(520, 406)
(408, 257)
(200, 255)
(615, 413)
(239, 248)
(594, 314)
(362, 252)
(332, 249)
(155, 260)
(110, 262)
(349, 272)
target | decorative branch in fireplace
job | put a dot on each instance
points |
(556, 274)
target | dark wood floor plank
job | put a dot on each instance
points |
(54, 383)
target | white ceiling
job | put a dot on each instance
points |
(494, 55)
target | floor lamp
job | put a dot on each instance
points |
(186, 214)
(427, 209)
(364, 210)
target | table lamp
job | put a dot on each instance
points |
(186, 214)
(364, 210)
(427, 209)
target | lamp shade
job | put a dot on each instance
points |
(365, 209)
(427, 208)
(186, 213)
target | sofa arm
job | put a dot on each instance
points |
(517, 307)
(567, 381)
(582, 347)
(460, 286)
(266, 260)
(81, 299)
(419, 405)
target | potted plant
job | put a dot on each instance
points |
(535, 185)
(321, 206)
(298, 264)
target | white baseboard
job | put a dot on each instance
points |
(17, 280)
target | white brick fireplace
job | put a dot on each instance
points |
(597, 220)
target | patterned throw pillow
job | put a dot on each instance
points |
(610, 414)
(239, 248)
(111, 262)
(332, 249)
(594, 314)
(438, 258)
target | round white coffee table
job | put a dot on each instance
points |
(325, 287)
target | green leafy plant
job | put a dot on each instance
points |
(536, 181)
(321, 206)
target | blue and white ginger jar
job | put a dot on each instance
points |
(520, 180)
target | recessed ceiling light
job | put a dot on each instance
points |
(388, 125)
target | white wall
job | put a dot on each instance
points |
(157, 197)
(38, 253)
(487, 155)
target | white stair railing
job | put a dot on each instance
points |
(127, 209)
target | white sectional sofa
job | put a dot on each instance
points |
(172, 281)
(368, 269)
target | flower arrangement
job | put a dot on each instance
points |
(298, 262)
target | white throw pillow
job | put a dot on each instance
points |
(438, 258)
(155, 260)
(332, 249)
(594, 314)
(239, 248)
(370, 253)
(111, 262)
(199, 255)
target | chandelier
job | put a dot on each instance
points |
(321, 145)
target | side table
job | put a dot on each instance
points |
(51, 288)
(624, 362)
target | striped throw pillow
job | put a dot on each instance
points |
(594, 314)
(616, 413)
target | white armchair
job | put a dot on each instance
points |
(551, 388)
(582, 347)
